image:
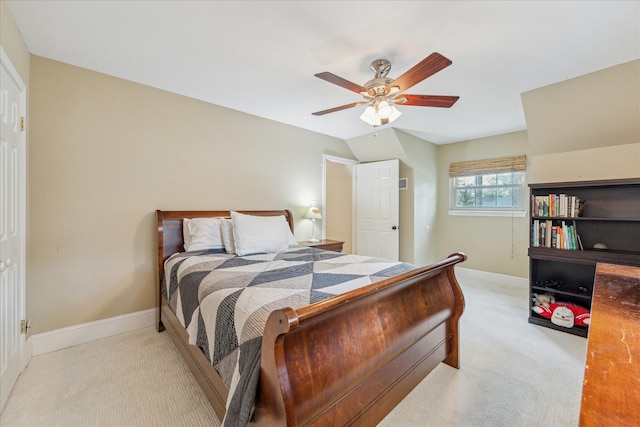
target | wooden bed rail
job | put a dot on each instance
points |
(381, 341)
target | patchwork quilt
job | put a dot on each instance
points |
(224, 301)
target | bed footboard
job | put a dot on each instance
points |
(350, 359)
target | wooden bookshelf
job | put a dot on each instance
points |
(609, 216)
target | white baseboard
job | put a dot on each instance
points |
(27, 352)
(80, 334)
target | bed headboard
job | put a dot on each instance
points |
(170, 238)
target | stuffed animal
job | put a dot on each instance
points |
(564, 314)
(543, 300)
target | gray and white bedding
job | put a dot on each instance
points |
(224, 300)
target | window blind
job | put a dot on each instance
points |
(495, 165)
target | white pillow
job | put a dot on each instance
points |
(201, 233)
(186, 236)
(260, 234)
(292, 239)
(226, 229)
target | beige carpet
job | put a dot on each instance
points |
(512, 374)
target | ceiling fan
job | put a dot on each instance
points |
(382, 93)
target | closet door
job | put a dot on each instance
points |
(377, 209)
(12, 227)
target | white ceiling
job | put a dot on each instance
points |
(260, 57)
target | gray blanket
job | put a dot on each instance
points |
(224, 301)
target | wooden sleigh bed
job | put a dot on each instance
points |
(347, 360)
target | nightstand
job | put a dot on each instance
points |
(326, 244)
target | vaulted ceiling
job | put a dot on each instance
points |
(260, 57)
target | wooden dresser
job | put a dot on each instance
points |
(611, 390)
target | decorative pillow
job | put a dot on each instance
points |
(226, 229)
(260, 234)
(201, 233)
(562, 316)
(581, 316)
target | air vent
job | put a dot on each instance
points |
(404, 183)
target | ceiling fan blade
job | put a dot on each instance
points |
(333, 110)
(425, 68)
(332, 78)
(427, 100)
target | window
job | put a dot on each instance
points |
(488, 191)
(488, 187)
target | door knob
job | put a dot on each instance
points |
(394, 228)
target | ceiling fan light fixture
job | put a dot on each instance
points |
(394, 114)
(380, 114)
(385, 110)
(370, 116)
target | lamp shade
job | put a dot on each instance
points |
(314, 213)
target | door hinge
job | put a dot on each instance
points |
(23, 326)
(22, 123)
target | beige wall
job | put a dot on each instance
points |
(596, 110)
(495, 244)
(621, 161)
(586, 128)
(406, 201)
(419, 201)
(105, 153)
(339, 203)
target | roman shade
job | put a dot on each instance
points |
(485, 166)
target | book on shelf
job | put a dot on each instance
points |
(577, 243)
(555, 234)
(566, 242)
(556, 205)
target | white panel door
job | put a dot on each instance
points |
(12, 227)
(377, 209)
